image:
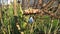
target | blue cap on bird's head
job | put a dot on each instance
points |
(31, 20)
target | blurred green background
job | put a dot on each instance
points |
(11, 24)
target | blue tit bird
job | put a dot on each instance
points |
(31, 20)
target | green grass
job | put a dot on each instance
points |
(40, 25)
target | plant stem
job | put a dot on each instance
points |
(9, 29)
